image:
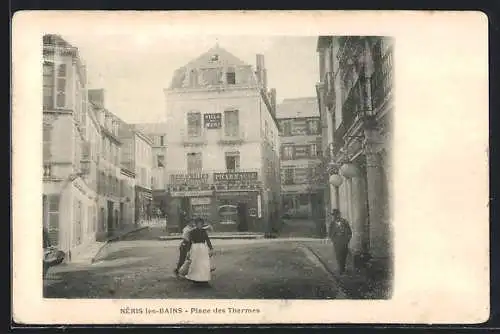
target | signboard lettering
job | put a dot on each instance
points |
(235, 177)
(189, 179)
(212, 121)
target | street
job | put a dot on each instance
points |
(254, 269)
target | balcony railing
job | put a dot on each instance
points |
(350, 110)
(237, 136)
(381, 80)
(189, 139)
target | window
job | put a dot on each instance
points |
(160, 161)
(143, 176)
(193, 78)
(194, 124)
(313, 127)
(194, 163)
(287, 176)
(47, 134)
(231, 123)
(301, 151)
(53, 218)
(288, 152)
(286, 128)
(162, 140)
(230, 76)
(313, 150)
(212, 76)
(48, 85)
(301, 175)
(153, 182)
(61, 86)
(299, 127)
(232, 161)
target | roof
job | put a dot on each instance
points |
(298, 107)
(151, 128)
(214, 57)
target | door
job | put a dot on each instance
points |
(110, 216)
(242, 217)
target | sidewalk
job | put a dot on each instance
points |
(218, 235)
(356, 283)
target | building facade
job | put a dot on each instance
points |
(302, 183)
(70, 150)
(222, 143)
(157, 133)
(111, 202)
(355, 97)
(137, 157)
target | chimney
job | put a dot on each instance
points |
(96, 96)
(261, 71)
(272, 99)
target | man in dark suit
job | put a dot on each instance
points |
(340, 235)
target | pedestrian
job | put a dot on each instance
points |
(184, 246)
(200, 254)
(340, 235)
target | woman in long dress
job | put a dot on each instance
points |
(201, 250)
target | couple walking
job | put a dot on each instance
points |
(195, 252)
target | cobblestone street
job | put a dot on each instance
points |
(271, 269)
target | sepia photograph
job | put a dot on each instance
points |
(250, 167)
(225, 176)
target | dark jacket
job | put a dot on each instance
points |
(46, 238)
(340, 230)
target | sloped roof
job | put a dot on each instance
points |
(207, 59)
(151, 128)
(214, 57)
(298, 107)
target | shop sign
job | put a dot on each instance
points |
(235, 177)
(193, 193)
(200, 200)
(192, 179)
(212, 121)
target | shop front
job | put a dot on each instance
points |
(143, 204)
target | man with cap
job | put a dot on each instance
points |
(340, 235)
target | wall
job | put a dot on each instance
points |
(143, 161)
(245, 101)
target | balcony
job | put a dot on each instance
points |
(235, 137)
(193, 139)
(381, 80)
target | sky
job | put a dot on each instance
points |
(134, 69)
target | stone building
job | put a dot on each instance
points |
(356, 102)
(157, 133)
(222, 144)
(70, 150)
(300, 141)
(111, 201)
(137, 158)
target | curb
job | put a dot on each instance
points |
(333, 275)
(115, 238)
(229, 237)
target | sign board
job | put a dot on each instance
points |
(193, 193)
(212, 121)
(189, 179)
(235, 177)
(200, 201)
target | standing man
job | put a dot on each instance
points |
(184, 246)
(340, 235)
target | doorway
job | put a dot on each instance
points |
(110, 216)
(242, 217)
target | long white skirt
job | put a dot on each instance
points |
(199, 270)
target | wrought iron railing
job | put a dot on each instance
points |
(381, 80)
(47, 170)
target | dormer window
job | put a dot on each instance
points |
(230, 76)
(214, 58)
